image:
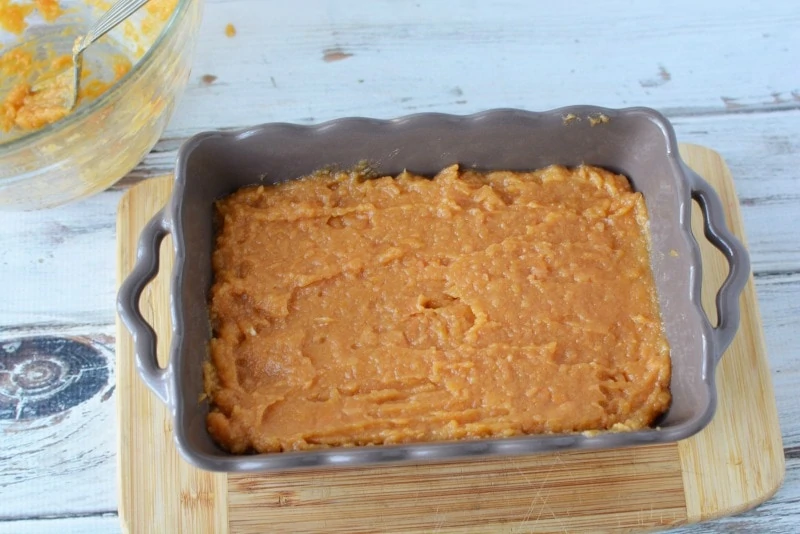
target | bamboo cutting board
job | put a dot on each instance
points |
(734, 464)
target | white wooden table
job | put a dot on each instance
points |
(727, 74)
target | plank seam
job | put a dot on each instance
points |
(770, 274)
(792, 453)
(28, 327)
(680, 113)
(78, 515)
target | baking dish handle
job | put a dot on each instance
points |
(144, 337)
(717, 233)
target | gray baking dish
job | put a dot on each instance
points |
(637, 142)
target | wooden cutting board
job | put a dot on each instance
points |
(734, 464)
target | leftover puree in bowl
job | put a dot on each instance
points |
(352, 311)
(27, 109)
(45, 53)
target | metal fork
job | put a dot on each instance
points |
(120, 11)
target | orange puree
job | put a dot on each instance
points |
(352, 311)
(161, 9)
(12, 16)
(32, 110)
(15, 62)
(49, 9)
(158, 11)
(28, 110)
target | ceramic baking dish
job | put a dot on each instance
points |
(637, 142)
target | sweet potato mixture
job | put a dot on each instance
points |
(351, 311)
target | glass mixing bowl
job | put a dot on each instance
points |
(102, 139)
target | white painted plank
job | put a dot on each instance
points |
(60, 266)
(63, 463)
(763, 153)
(462, 57)
(104, 524)
(779, 299)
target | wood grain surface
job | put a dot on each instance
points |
(723, 72)
(723, 475)
(732, 466)
(185, 499)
